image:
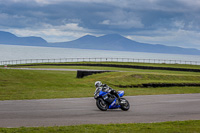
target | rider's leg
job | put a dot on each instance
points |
(116, 94)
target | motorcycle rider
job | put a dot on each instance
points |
(99, 86)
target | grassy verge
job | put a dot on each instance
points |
(110, 68)
(32, 84)
(163, 127)
(127, 63)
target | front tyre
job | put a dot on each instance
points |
(124, 104)
(101, 104)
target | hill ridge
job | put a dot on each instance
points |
(113, 42)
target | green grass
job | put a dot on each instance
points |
(36, 84)
(145, 71)
(162, 127)
(126, 63)
(19, 84)
(160, 90)
(96, 68)
(131, 78)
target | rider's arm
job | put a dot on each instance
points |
(98, 89)
(106, 88)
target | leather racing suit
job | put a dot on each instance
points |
(108, 89)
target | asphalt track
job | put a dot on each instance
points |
(75, 111)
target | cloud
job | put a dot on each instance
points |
(146, 20)
(121, 19)
(181, 38)
(101, 15)
(124, 24)
(52, 33)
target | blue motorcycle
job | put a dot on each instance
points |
(105, 100)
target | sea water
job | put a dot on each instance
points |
(14, 52)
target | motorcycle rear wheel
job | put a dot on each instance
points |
(101, 104)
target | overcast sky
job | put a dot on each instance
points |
(168, 22)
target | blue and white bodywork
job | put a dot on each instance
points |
(104, 101)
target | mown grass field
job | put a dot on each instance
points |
(36, 84)
(163, 127)
(126, 63)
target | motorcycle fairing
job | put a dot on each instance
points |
(113, 105)
(101, 93)
(121, 93)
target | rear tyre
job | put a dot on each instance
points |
(101, 104)
(124, 104)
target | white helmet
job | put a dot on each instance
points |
(97, 84)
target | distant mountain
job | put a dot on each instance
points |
(114, 42)
(119, 43)
(8, 38)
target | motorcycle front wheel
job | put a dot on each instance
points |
(125, 105)
(101, 104)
